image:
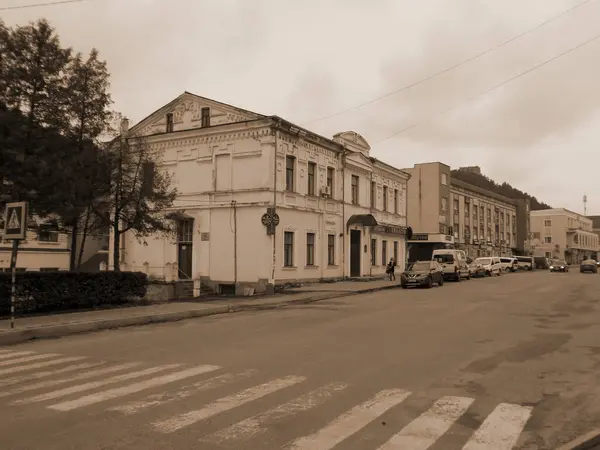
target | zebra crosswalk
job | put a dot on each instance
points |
(61, 384)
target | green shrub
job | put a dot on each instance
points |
(45, 292)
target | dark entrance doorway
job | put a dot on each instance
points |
(185, 235)
(355, 253)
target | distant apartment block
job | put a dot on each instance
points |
(560, 233)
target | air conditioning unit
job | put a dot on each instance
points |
(326, 191)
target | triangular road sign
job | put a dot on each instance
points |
(13, 222)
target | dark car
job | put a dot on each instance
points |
(422, 273)
(589, 265)
(559, 265)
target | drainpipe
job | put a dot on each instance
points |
(235, 244)
(344, 213)
(274, 235)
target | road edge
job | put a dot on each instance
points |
(585, 442)
(13, 337)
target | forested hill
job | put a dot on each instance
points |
(478, 179)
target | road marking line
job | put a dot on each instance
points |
(80, 376)
(250, 427)
(37, 375)
(28, 359)
(351, 421)
(501, 429)
(53, 362)
(11, 354)
(132, 388)
(422, 432)
(168, 397)
(225, 404)
(92, 385)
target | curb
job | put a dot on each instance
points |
(17, 336)
(585, 442)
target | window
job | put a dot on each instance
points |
(396, 252)
(148, 173)
(548, 222)
(444, 205)
(331, 249)
(455, 205)
(548, 239)
(290, 161)
(395, 201)
(330, 174)
(373, 252)
(47, 233)
(354, 190)
(536, 235)
(442, 228)
(311, 178)
(548, 255)
(373, 194)
(288, 249)
(385, 198)
(169, 123)
(467, 210)
(205, 114)
(49, 269)
(185, 230)
(384, 260)
(445, 179)
(455, 229)
(467, 232)
(310, 249)
(475, 213)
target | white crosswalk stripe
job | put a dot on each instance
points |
(13, 354)
(351, 422)
(132, 388)
(501, 429)
(52, 362)
(225, 404)
(169, 397)
(93, 385)
(250, 427)
(48, 373)
(422, 433)
(10, 362)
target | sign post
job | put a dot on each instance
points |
(15, 229)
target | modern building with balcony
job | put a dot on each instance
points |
(560, 233)
(446, 212)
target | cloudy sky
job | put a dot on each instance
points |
(323, 63)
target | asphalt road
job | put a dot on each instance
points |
(485, 364)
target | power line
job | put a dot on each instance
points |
(493, 88)
(448, 69)
(35, 5)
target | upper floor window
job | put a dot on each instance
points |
(373, 194)
(311, 178)
(169, 123)
(395, 201)
(548, 223)
(290, 163)
(385, 198)
(467, 212)
(205, 115)
(445, 179)
(330, 175)
(354, 189)
(455, 205)
(48, 233)
(444, 204)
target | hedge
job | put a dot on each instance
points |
(44, 292)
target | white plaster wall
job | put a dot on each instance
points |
(36, 260)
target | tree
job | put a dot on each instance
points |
(141, 195)
(88, 114)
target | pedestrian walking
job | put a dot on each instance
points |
(391, 268)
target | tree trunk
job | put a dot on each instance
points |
(86, 225)
(73, 250)
(116, 247)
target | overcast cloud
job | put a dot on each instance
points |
(305, 59)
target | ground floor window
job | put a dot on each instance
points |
(331, 249)
(310, 249)
(548, 254)
(384, 253)
(288, 249)
(396, 252)
(373, 252)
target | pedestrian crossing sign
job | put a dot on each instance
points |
(15, 221)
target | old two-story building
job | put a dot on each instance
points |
(563, 234)
(446, 212)
(263, 202)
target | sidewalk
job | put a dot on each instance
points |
(58, 325)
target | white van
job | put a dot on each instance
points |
(453, 262)
(509, 264)
(526, 262)
(491, 264)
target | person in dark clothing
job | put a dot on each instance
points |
(391, 268)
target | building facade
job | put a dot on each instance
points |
(447, 212)
(560, 233)
(340, 212)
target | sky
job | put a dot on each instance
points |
(326, 64)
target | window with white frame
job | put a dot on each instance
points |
(331, 249)
(288, 249)
(310, 249)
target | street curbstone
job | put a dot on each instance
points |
(17, 336)
(586, 442)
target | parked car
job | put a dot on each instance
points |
(477, 270)
(423, 274)
(509, 264)
(525, 262)
(490, 264)
(453, 262)
(559, 265)
(589, 265)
